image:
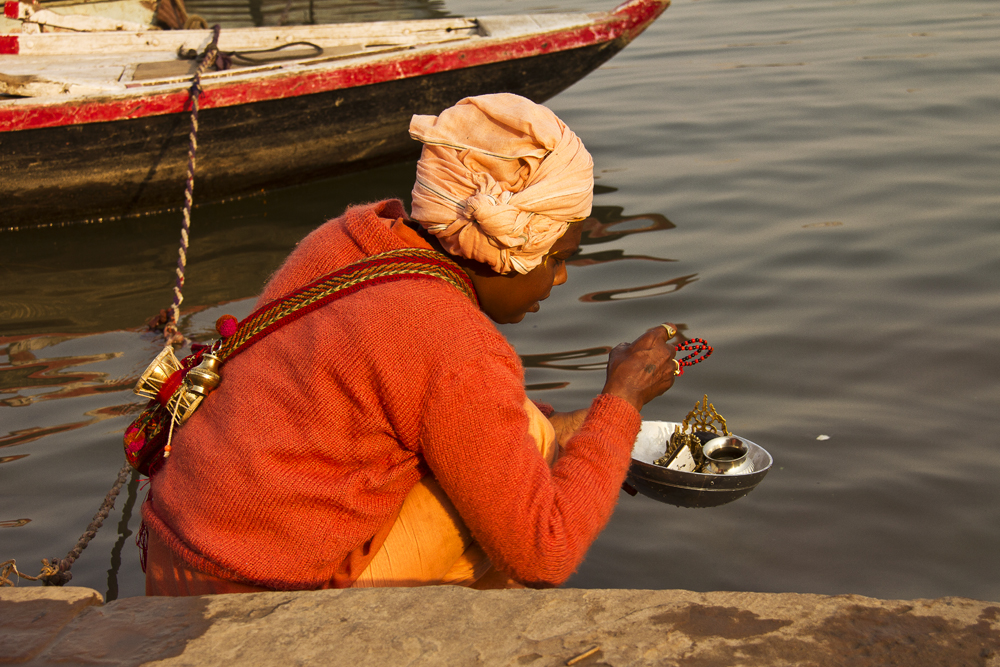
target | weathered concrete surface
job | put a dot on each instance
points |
(455, 626)
(31, 618)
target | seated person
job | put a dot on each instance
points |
(385, 439)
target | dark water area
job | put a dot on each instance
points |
(814, 187)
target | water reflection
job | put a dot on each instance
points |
(587, 259)
(596, 360)
(24, 436)
(554, 359)
(642, 291)
(34, 379)
(545, 386)
(25, 371)
(607, 223)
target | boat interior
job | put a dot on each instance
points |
(63, 61)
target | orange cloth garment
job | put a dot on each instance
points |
(499, 180)
(429, 543)
(289, 472)
(166, 574)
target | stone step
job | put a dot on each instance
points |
(447, 625)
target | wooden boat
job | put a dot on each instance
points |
(96, 124)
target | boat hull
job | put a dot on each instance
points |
(74, 171)
(128, 167)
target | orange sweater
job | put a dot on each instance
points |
(306, 451)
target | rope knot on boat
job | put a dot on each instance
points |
(210, 57)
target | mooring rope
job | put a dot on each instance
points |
(284, 14)
(56, 572)
(210, 56)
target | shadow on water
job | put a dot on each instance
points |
(123, 534)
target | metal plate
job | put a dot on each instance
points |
(688, 489)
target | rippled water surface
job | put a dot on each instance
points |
(814, 187)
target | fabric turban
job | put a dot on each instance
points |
(499, 180)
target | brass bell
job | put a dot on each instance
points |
(156, 374)
(198, 383)
(204, 378)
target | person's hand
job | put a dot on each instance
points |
(642, 370)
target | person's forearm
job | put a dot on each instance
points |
(567, 423)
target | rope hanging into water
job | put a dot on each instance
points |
(56, 572)
(284, 13)
(170, 317)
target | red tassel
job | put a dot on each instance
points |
(170, 386)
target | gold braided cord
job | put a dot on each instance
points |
(409, 261)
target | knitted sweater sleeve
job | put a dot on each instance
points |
(535, 523)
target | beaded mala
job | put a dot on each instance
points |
(700, 351)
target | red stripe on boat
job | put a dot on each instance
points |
(627, 21)
(10, 9)
(8, 44)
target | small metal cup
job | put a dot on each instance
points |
(725, 455)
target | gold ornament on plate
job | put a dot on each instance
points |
(704, 418)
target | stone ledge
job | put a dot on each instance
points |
(455, 626)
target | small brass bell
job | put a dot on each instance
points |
(198, 383)
(204, 378)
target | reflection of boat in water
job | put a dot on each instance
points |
(96, 124)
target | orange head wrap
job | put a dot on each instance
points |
(499, 180)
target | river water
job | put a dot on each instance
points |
(814, 187)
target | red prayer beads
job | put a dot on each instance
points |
(699, 349)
